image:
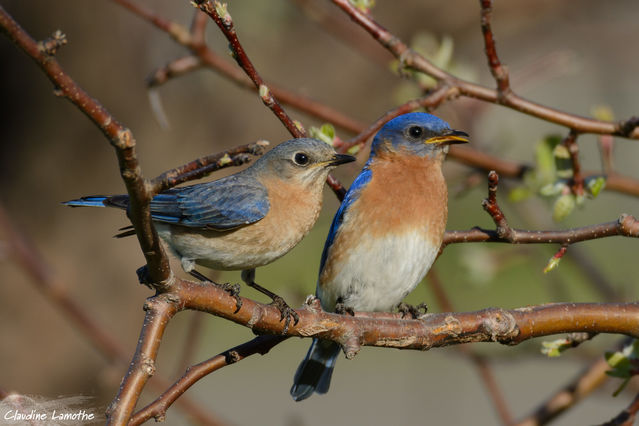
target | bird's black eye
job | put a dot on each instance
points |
(415, 131)
(301, 159)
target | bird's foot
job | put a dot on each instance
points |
(143, 276)
(415, 311)
(233, 290)
(286, 312)
(342, 309)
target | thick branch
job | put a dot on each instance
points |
(159, 310)
(431, 330)
(120, 137)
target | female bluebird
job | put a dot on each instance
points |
(244, 220)
(386, 233)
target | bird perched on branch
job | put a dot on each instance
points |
(385, 235)
(244, 220)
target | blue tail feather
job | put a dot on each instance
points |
(92, 201)
(315, 372)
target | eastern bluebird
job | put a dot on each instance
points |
(244, 220)
(386, 233)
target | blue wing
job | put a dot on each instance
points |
(353, 194)
(223, 204)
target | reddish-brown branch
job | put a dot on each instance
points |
(224, 21)
(157, 409)
(569, 395)
(120, 137)
(431, 330)
(411, 59)
(627, 416)
(626, 226)
(203, 166)
(499, 72)
(175, 68)
(159, 310)
(429, 101)
(465, 155)
(570, 142)
(27, 255)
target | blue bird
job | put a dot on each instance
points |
(244, 220)
(385, 235)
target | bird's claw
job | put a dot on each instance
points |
(143, 276)
(415, 311)
(342, 309)
(233, 290)
(286, 313)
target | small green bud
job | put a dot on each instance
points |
(564, 205)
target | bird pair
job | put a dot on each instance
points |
(382, 242)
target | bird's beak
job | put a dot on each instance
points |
(449, 138)
(340, 159)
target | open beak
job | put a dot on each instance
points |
(451, 137)
(340, 159)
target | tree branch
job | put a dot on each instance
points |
(411, 59)
(626, 226)
(159, 310)
(120, 137)
(203, 166)
(157, 409)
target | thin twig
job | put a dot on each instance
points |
(224, 21)
(626, 417)
(157, 409)
(203, 166)
(626, 226)
(499, 72)
(411, 59)
(570, 142)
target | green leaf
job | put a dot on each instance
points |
(325, 133)
(554, 348)
(545, 159)
(553, 189)
(363, 5)
(564, 205)
(623, 363)
(594, 185)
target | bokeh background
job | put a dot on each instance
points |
(573, 56)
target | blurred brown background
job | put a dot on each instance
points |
(571, 55)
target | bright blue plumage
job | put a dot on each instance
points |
(352, 194)
(386, 233)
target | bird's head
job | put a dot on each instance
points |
(304, 160)
(417, 133)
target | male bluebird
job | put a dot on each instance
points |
(244, 220)
(385, 235)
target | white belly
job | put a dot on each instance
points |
(376, 274)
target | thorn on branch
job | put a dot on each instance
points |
(51, 45)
